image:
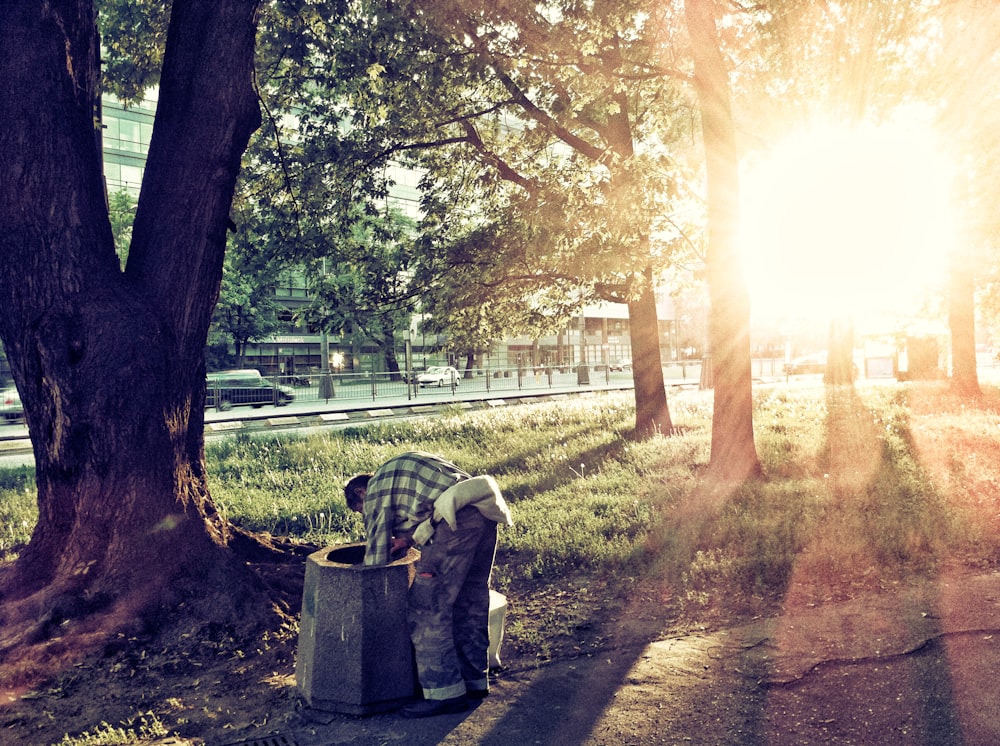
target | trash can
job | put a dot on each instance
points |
(498, 615)
(354, 654)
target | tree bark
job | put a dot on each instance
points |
(110, 364)
(734, 455)
(652, 414)
(391, 361)
(840, 353)
(962, 323)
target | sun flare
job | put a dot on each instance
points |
(857, 221)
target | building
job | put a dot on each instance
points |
(126, 133)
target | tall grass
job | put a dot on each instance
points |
(861, 487)
(18, 508)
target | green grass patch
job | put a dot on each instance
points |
(18, 509)
(142, 729)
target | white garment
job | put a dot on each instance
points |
(482, 492)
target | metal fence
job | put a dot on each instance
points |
(374, 386)
(357, 388)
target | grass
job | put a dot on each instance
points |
(862, 487)
(18, 508)
(141, 730)
(854, 497)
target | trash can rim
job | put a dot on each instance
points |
(322, 558)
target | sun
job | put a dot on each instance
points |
(854, 222)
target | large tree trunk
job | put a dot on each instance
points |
(734, 456)
(962, 322)
(110, 364)
(652, 415)
(389, 348)
(840, 352)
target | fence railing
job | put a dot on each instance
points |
(357, 388)
(372, 386)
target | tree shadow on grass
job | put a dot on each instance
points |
(871, 666)
(865, 647)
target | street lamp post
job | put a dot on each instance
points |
(325, 379)
(582, 371)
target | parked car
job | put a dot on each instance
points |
(815, 363)
(623, 364)
(10, 404)
(438, 375)
(231, 388)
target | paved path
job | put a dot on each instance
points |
(913, 666)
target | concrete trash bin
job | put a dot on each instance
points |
(354, 654)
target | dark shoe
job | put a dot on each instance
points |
(477, 693)
(426, 708)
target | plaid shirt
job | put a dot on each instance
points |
(401, 495)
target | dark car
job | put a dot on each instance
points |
(232, 388)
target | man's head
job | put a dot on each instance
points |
(355, 491)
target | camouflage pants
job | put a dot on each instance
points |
(449, 606)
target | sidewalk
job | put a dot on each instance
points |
(915, 666)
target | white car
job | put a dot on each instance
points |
(438, 375)
(10, 404)
(815, 363)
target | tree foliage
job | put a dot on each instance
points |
(552, 142)
(365, 287)
(133, 38)
(247, 309)
(121, 210)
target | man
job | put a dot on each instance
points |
(454, 516)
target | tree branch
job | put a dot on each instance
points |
(387, 153)
(506, 171)
(533, 111)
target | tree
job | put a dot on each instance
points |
(121, 210)
(363, 278)
(468, 291)
(734, 455)
(963, 76)
(861, 61)
(846, 62)
(543, 116)
(247, 310)
(110, 362)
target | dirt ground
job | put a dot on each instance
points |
(913, 664)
